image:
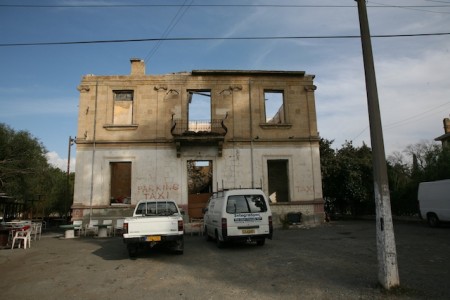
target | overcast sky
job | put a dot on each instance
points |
(38, 83)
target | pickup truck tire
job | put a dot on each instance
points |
(179, 247)
(132, 250)
(261, 242)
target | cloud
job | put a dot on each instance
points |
(413, 94)
(55, 160)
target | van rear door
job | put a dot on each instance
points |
(247, 215)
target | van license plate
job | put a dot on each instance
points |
(248, 231)
(153, 238)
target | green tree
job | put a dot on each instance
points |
(402, 187)
(426, 161)
(431, 161)
(347, 178)
(355, 173)
(329, 172)
(26, 175)
(22, 160)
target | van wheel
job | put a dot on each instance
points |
(207, 237)
(261, 242)
(433, 220)
(220, 244)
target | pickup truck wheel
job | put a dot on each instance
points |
(132, 251)
(261, 242)
(179, 247)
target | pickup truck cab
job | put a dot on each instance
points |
(154, 223)
(238, 215)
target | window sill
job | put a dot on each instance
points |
(120, 127)
(275, 126)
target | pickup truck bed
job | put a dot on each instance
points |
(154, 223)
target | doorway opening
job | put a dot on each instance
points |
(120, 182)
(199, 186)
(277, 171)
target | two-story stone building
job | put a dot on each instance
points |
(149, 136)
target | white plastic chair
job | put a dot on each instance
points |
(91, 227)
(36, 229)
(78, 225)
(22, 236)
(119, 226)
(110, 226)
(196, 225)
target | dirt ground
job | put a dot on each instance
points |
(333, 261)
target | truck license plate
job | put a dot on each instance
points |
(248, 231)
(153, 238)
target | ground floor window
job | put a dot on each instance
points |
(277, 170)
(120, 182)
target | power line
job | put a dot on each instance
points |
(210, 5)
(219, 38)
(180, 13)
(437, 1)
(416, 117)
(414, 7)
(413, 118)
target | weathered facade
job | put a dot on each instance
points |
(138, 137)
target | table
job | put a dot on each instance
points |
(8, 229)
(102, 230)
(70, 230)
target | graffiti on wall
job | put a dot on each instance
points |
(77, 213)
(161, 191)
(307, 189)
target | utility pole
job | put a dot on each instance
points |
(386, 249)
(71, 142)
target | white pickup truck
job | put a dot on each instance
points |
(154, 223)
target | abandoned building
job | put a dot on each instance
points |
(185, 135)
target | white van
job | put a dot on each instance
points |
(434, 201)
(238, 215)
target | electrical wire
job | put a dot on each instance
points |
(414, 118)
(209, 5)
(219, 38)
(414, 7)
(178, 16)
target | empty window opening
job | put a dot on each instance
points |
(120, 182)
(123, 106)
(199, 110)
(277, 171)
(274, 108)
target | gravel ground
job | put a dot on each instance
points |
(333, 261)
